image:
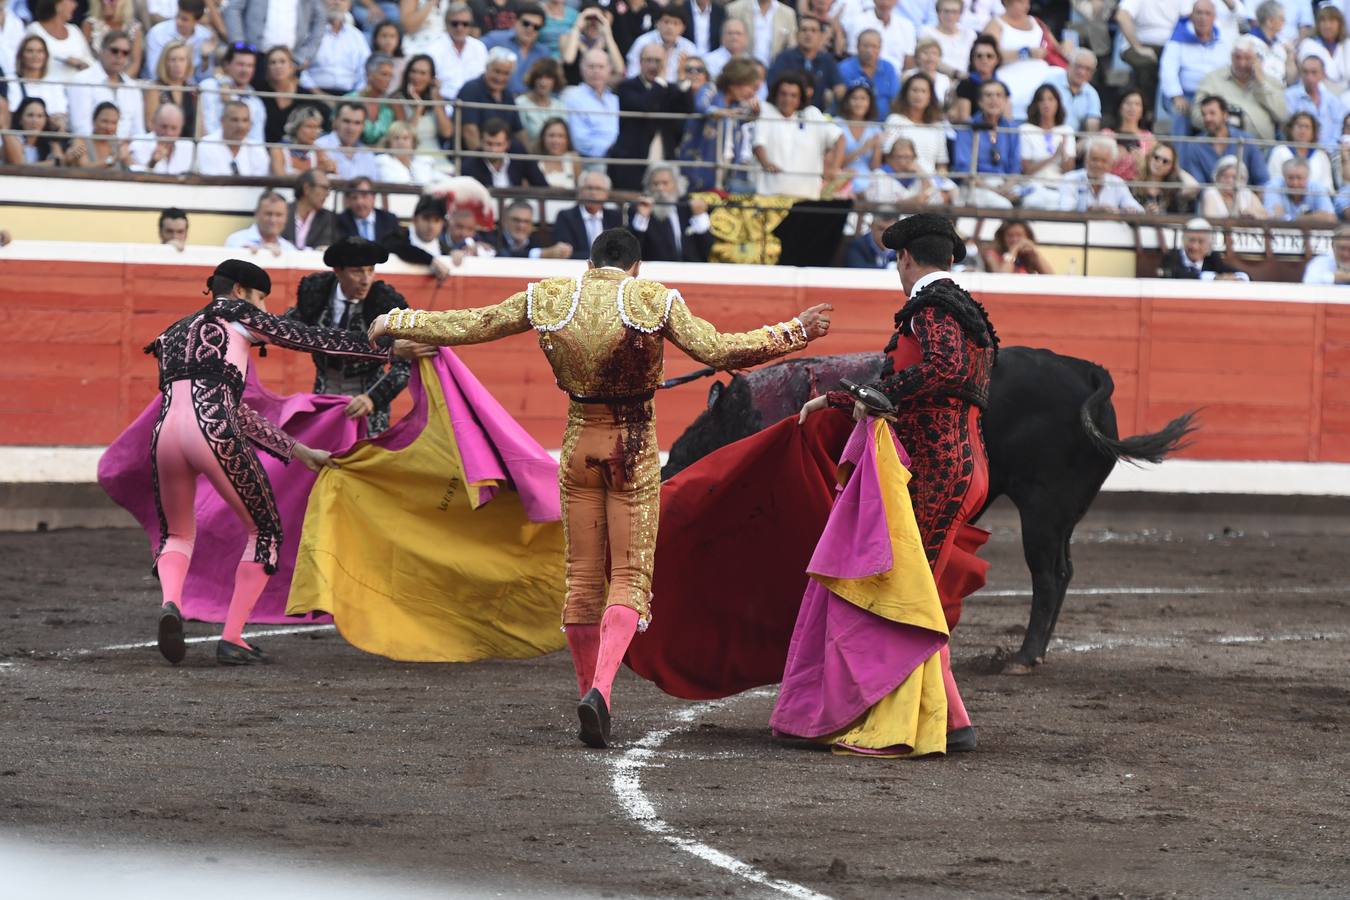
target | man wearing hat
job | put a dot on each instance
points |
(205, 428)
(937, 375)
(349, 298)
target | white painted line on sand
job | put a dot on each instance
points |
(627, 786)
(1179, 591)
(1109, 643)
(142, 645)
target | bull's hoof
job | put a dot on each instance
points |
(1016, 668)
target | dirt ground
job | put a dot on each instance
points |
(1188, 736)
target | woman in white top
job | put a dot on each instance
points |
(927, 60)
(1021, 41)
(428, 115)
(423, 22)
(795, 145)
(917, 115)
(563, 166)
(400, 163)
(1230, 198)
(67, 51)
(1332, 44)
(31, 62)
(1302, 130)
(1047, 148)
(953, 38)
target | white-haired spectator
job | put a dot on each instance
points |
(1331, 44)
(492, 87)
(900, 180)
(1302, 133)
(340, 60)
(304, 126)
(225, 151)
(1093, 187)
(1082, 103)
(1278, 56)
(1244, 88)
(1196, 48)
(795, 145)
(1047, 147)
(1145, 27)
(1312, 95)
(1296, 196)
(669, 229)
(592, 108)
(578, 226)
(107, 82)
(459, 57)
(343, 143)
(68, 51)
(1196, 258)
(1229, 197)
(1333, 267)
(163, 150)
(952, 36)
(735, 43)
(269, 219)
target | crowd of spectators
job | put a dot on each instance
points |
(1229, 109)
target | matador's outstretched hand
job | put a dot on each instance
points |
(816, 321)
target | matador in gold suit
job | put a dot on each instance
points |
(604, 334)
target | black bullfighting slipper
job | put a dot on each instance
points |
(231, 654)
(594, 716)
(962, 740)
(171, 644)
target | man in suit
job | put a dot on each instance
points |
(646, 92)
(500, 170)
(578, 226)
(361, 218)
(246, 22)
(670, 231)
(308, 225)
(866, 250)
(1196, 258)
(703, 24)
(772, 26)
(518, 238)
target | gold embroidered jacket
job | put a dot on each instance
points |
(603, 332)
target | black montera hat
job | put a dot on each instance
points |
(354, 251)
(898, 236)
(245, 273)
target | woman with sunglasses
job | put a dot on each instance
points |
(984, 62)
(1133, 138)
(1163, 187)
(107, 16)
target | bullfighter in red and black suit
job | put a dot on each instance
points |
(939, 361)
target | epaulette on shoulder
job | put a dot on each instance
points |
(550, 304)
(645, 305)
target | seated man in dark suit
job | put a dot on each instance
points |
(577, 226)
(646, 92)
(866, 251)
(361, 218)
(518, 238)
(1196, 257)
(670, 231)
(500, 170)
(308, 225)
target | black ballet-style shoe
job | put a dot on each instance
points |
(962, 740)
(231, 654)
(172, 646)
(594, 715)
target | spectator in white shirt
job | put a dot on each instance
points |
(1333, 267)
(107, 82)
(234, 84)
(459, 56)
(343, 143)
(669, 33)
(400, 163)
(28, 79)
(187, 27)
(68, 50)
(954, 38)
(735, 43)
(795, 146)
(11, 35)
(163, 150)
(269, 218)
(339, 63)
(1093, 187)
(898, 35)
(225, 151)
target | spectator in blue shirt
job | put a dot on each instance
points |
(1310, 95)
(490, 87)
(1198, 157)
(592, 108)
(522, 39)
(810, 57)
(988, 153)
(1082, 103)
(868, 68)
(1195, 49)
(1295, 196)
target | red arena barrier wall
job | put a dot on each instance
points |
(1269, 363)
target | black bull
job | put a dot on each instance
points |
(1050, 433)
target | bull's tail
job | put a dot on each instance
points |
(1152, 447)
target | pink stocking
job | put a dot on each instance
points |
(584, 642)
(616, 631)
(249, 581)
(956, 710)
(172, 568)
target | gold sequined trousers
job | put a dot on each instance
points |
(610, 483)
